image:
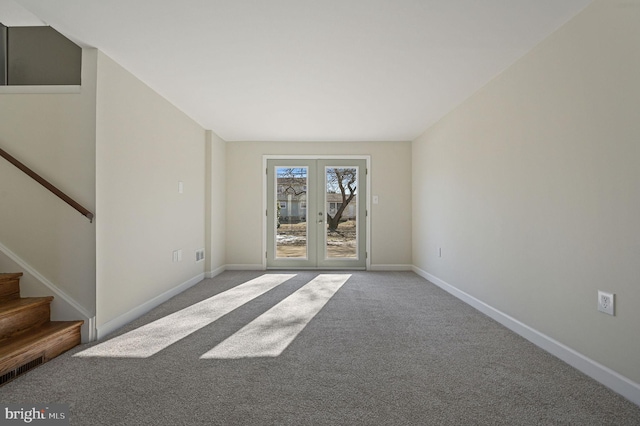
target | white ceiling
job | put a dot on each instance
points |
(310, 70)
(14, 15)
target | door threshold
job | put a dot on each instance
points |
(285, 268)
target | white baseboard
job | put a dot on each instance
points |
(611, 379)
(393, 267)
(116, 323)
(215, 272)
(63, 307)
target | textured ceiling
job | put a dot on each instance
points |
(303, 70)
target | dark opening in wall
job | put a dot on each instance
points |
(3, 55)
(37, 56)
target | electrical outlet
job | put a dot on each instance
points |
(200, 255)
(606, 302)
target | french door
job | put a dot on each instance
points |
(316, 213)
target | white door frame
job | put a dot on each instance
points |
(367, 158)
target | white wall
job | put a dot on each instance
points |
(145, 146)
(215, 198)
(390, 181)
(54, 134)
(531, 188)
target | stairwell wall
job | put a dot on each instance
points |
(52, 131)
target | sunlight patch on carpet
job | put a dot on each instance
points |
(272, 332)
(154, 337)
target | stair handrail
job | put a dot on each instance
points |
(42, 181)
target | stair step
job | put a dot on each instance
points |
(47, 341)
(10, 286)
(27, 336)
(18, 315)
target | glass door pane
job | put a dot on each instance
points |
(341, 206)
(291, 207)
(291, 226)
(342, 200)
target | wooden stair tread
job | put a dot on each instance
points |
(20, 315)
(47, 340)
(10, 286)
(27, 336)
(36, 334)
(10, 307)
(9, 276)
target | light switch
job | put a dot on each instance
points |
(375, 199)
(180, 187)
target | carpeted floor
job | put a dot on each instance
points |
(388, 348)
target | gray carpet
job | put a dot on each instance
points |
(388, 348)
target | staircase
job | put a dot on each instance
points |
(28, 337)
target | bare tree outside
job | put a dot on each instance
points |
(292, 180)
(342, 181)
